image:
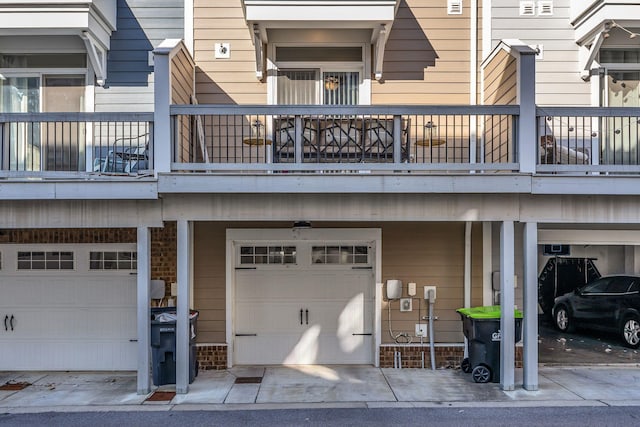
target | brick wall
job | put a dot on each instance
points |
(163, 243)
(448, 357)
(212, 356)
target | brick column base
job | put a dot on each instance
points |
(212, 357)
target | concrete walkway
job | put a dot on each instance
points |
(318, 386)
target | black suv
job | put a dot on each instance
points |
(609, 303)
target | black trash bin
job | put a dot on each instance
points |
(481, 327)
(163, 345)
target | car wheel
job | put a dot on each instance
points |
(465, 365)
(563, 320)
(631, 332)
(481, 374)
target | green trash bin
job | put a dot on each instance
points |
(481, 327)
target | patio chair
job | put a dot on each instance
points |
(285, 137)
(378, 139)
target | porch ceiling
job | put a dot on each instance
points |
(91, 20)
(376, 15)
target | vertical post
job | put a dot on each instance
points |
(527, 134)
(397, 139)
(487, 263)
(507, 302)
(182, 324)
(530, 355)
(144, 310)
(162, 103)
(298, 132)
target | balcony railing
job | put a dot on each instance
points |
(589, 140)
(57, 144)
(303, 139)
(339, 138)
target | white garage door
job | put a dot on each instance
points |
(67, 307)
(316, 310)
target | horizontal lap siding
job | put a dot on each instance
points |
(500, 88)
(425, 253)
(225, 81)
(427, 58)
(558, 73)
(141, 26)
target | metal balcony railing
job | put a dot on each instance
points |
(341, 138)
(588, 140)
(56, 144)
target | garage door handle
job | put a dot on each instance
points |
(307, 314)
(360, 334)
(6, 319)
(11, 321)
(301, 316)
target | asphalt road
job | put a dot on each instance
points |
(451, 417)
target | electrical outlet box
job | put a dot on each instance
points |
(426, 292)
(421, 330)
(406, 304)
(411, 289)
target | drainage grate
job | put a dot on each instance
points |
(14, 386)
(161, 396)
(248, 380)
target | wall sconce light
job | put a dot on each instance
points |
(331, 83)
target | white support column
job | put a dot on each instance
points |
(530, 333)
(487, 263)
(527, 134)
(144, 309)
(182, 323)
(507, 302)
(161, 149)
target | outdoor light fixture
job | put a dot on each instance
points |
(331, 83)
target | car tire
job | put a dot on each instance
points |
(562, 319)
(631, 332)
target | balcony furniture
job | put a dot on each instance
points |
(551, 152)
(285, 137)
(378, 139)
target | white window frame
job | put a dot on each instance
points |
(40, 72)
(363, 68)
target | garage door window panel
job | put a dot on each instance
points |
(341, 255)
(269, 255)
(113, 260)
(45, 260)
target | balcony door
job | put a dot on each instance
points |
(43, 84)
(318, 87)
(621, 89)
(319, 75)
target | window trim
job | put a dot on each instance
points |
(363, 68)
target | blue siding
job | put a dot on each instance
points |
(142, 25)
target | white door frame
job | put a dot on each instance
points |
(301, 234)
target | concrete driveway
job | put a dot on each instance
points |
(318, 386)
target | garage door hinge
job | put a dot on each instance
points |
(246, 268)
(362, 268)
(361, 334)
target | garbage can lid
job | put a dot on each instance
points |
(486, 312)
